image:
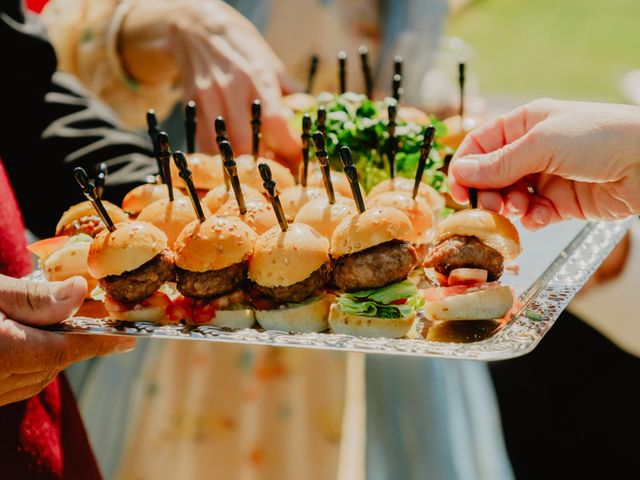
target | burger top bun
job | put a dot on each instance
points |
(131, 245)
(299, 102)
(215, 198)
(368, 229)
(260, 215)
(281, 259)
(170, 217)
(418, 211)
(325, 217)
(295, 197)
(435, 200)
(206, 171)
(69, 261)
(249, 175)
(490, 227)
(217, 243)
(84, 209)
(340, 183)
(143, 195)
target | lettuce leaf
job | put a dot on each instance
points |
(378, 302)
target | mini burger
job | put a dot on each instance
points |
(290, 270)
(339, 181)
(170, 216)
(131, 264)
(217, 197)
(324, 216)
(144, 195)
(211, 261)
(372, 260)
(295, 197)
(468, 253)
(250, 176)
(82, 218)
(206, 170)
(434, 199)
(421, 216)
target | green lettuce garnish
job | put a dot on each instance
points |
(378, 302)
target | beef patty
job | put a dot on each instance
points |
(465, 252)
(300, 291)
(212, 283)
(136, 285)
(375, 267)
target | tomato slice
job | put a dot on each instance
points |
(467, 276)
(45, 247)
(204, 313)
(158, 299)
(180, 309)
(400, 301)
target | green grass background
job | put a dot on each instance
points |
(575, 49)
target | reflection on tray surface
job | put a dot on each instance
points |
(461, 331)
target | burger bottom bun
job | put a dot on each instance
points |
(237, 319)
(360, 326)
(307, 317)
(488, 304)
(147, 314)
(69, 261)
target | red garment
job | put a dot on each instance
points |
(43, 437)
(36, 5)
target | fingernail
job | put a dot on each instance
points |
(125, 346)
(540, 215)
(468, 168)
(63, 290)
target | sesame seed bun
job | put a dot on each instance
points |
(484, 304)
(259, 216)
(249, 175)
(216, 197)
(84, 209)
(490, 227)
(281, 259)
(326, 217)
(69, 261)
(131, 245)
(170, 217)
(435, 199)
(295, 197)
(306, 317)
(217, 243)
(206, 171)
(341, 185)
(421, 216)
(368, 229)
(146, 194)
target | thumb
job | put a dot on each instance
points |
(502, 167)
(41, 303)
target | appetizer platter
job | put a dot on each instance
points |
(363, 250)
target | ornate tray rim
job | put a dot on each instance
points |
(542, 303)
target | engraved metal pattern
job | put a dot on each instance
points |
(542, 303)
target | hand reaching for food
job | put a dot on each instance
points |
(552, 160)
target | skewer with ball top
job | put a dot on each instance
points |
(366, 71)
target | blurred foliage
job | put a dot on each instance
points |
(561, 48)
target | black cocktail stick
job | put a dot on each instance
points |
(190, 125)
(392, 141)
(323, 158)
(153, 129)
(461, 82)
(164, 156)
(306, 136)
(425, 150)
(342, 71)
(397, 65)
(181, 162)
(473, 197)
(89, 191)
(270, 187)
(366, 71)
(101, 179)
(321, 120)
(352, 175)
(232, 171)
(313, 69)
(256, 123)
(396, 87)
(221, 136)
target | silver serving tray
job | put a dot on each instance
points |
(554, 265)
